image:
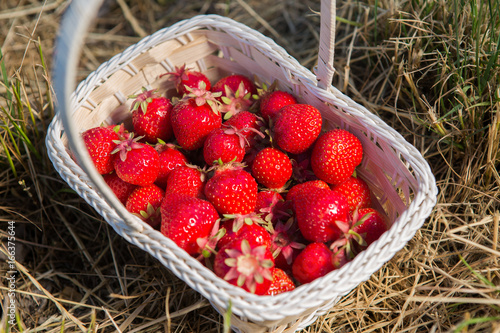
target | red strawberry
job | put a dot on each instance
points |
(245, 266)
(120, 188)
(271, 205)
(318, 214)
(304, 189)
(186, 179)
(272, 168)
(285, 244)
(250, 230)
(296, 127)
(356, 191)
(235, 101)
(170, 158)
(151, 116)
(194, 118)
(232, 190)
(185, 219)
(247, 123)
(335, 155)
(145, 202)
(272, 102)
(233, 83)
(281, 282)
(183, 77)
(100, 143)
(224, 144)
(313, 262)
(136, 163)
(369, 224)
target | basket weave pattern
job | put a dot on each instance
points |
(397, 174)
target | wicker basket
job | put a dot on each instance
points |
(397, 174)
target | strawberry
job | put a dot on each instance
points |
(120, 188)
(304, 189)
(186, 179)
(136, 163)
(272, 168)
(145, 202)
(185, 219)
(235, 101)
(233, 83)
(151, 116)
(271, 205)
(285, 244)
(369, 224)
(194, 117)
(170, 158)
(335, 156)
(313, 262)
(296, 127)
(250, 230)
(232, 190)
(224, 144)
(318, 212)
(247, 123)
(187, 77)
(100, 143)
(272, 102)
(356, 191)
(281, 282)
(245, 266)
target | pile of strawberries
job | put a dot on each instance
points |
(241, 176)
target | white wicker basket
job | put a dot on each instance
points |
(396, 172)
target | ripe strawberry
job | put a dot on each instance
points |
(194, 118)
(100, 143)
(313, 262)
(304, 189)
(170, 158)
(186, 179)
(120, 188)
(271, 205)
(272, 102)
(249, 229)
(151, 116)
(245, 266)
(356, 191)
(369, 224)
(145, 201)
(233, 83)
(224, 144)
(232, 190)
(235, 101)
(318, 214)
(285, 244)
(281, 282)
(335, 155)
(272, 168)
(136, 163)
(296, 127)
(183, 77)
(247, 123)
(185, 219)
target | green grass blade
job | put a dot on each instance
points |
(8, 156)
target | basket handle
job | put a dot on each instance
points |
(74, 25)
(325, 70)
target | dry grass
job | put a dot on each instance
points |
(433, 75)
